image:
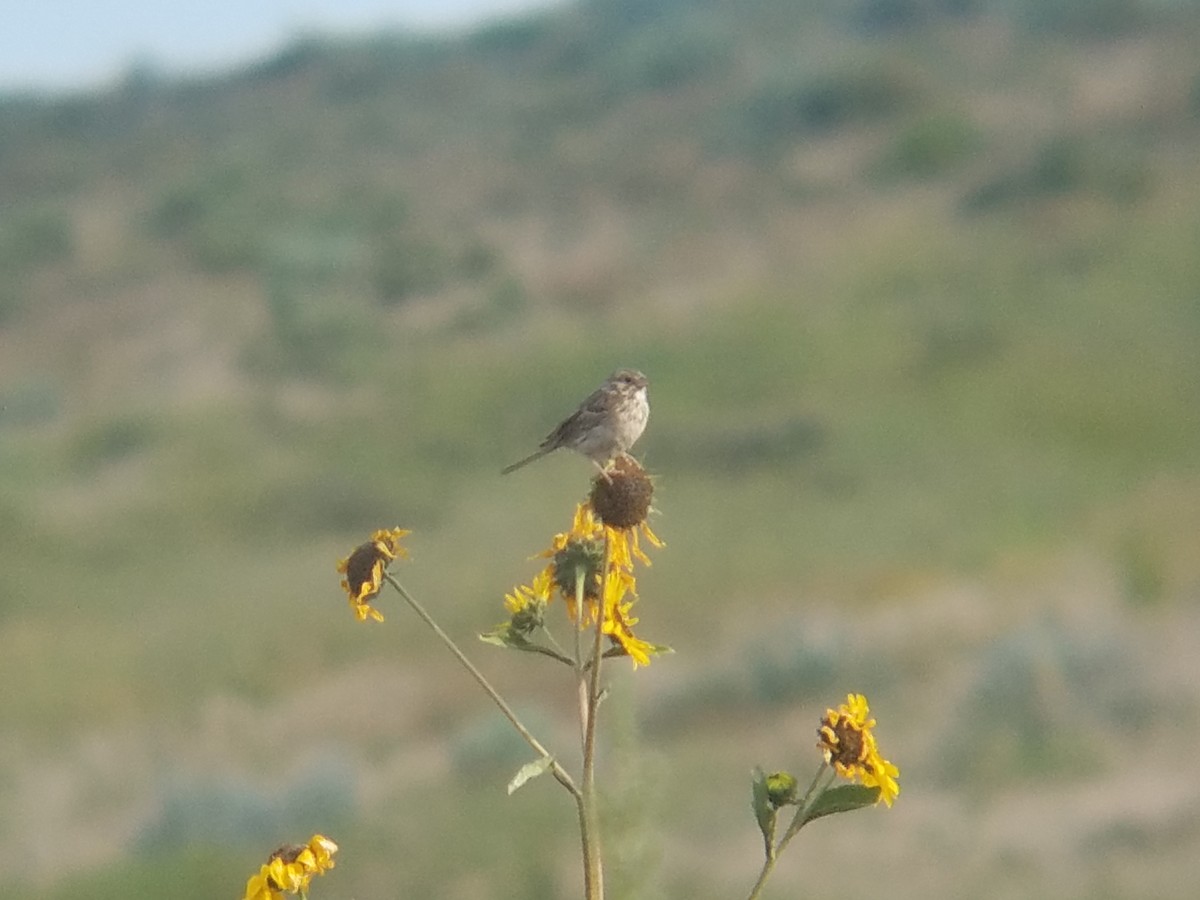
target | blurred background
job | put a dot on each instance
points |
(917, 287)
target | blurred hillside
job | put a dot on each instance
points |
(917, 288)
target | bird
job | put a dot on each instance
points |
(604, 426)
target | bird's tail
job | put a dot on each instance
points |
(526, 461)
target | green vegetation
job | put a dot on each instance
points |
(915, 284)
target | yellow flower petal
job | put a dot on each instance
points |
(259, 887)
(322, 849)
(848, 744)
(364, 570)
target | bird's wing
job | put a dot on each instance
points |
(589, 412)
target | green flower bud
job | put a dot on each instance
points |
(781, 789)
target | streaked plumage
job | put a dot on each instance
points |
(606, 425)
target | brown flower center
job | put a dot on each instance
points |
(288, 852)
(843, 741)
(360, 566)
(621, 497)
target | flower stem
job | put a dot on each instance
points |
(558, 652)
(802, 808)
(560, 774)
(550, 652)
(767, 869)
(589, 684)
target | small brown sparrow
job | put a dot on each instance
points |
(606, 424)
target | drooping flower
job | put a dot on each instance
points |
(363, 570)
(592, 556)
(577, 554)
(619, 620)
(290, 869)
(848, 743)
(263, 884)
(321, 849)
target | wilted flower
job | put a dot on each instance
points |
(848, 743)
(619, 620)
(577, 553)
(621, 496)
(578, 556)
(290, 869)
(364, 567)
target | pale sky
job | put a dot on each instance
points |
(66, 44)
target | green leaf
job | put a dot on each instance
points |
(844, 798)
(514, 640)
(652, 649)
(498, 637)
(504, 636)
(763, 811)
(530, 771)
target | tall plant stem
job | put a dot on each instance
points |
(590, 688)
(560, 774)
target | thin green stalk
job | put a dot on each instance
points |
(556, 651)
(560, 774)
(767, 869)
(802, 808)
(594, 870)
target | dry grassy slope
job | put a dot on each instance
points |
(568, 163)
